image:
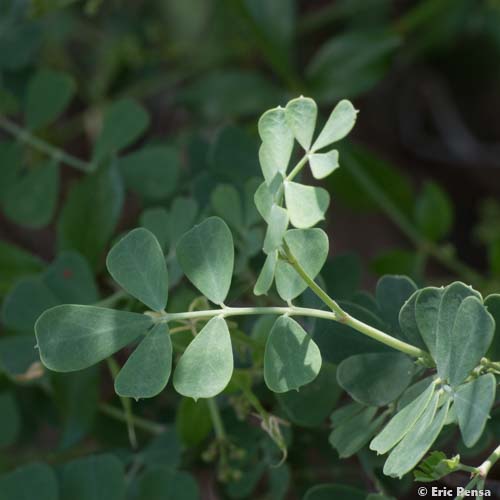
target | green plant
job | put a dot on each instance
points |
(435, 373)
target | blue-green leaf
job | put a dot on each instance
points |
(266, 276)
(306, 204)
(301, 116)
(323, 164)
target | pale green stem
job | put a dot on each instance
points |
(485, 467)
(126, 404)
(57, 154)
(296, 170)
(140, 423)
(220, 432)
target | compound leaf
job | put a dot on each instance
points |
(206, 255)
(323, 164)
(137, 263)
(147, 370)
(292, 359)
(73, 337)
(206, 366)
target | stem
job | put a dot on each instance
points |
(485, 467)
(139, 422)
(57, 154)
(126, 404)
(220, 432)
(296, 170)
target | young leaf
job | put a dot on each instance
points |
(124, 122)
(338, 125)
(277, 143)
(375, 379)
(31, 481)
(278, 224)
(310, 248)
(410, 450)
(147, 370)
(402, 422)
(266, 276)
(206, 255)
(471, 337)
(436, 466)
(48, 94)
(32, 200)
(301, 116)
(151, 172)
(137, 263)
(472, 403)
(306, 204)
(206, 366)
(292, 359)
(72, 337)
(98, 476)
(323, 164)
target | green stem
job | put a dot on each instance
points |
(126, 404)
(44, 147)
(486, 466)
(139, 423)
(343, 317)
(296, 170)
(219, 429)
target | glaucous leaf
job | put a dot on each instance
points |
(277, 143)
(338, 125)
(408, 322)
(48, 93)
(301, 116)
(137, 264)
(206, 366)
(151, 172)
(266, 276)
(427, 306)
(310, 248)
(410, 450)
(73, 337)
(472, 403)
(206, 255)
(157, 221)
(306, 204)
(32, 199)
(391, 293)
(323, 164)
(292, 359)
(95, 476)
(276, 229)
(375, 379)
(35, 480)
(147, 370)
(402, 423)
(124, 122)
(312, 403)
(265, 195)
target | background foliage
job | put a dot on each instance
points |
(143, 114)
